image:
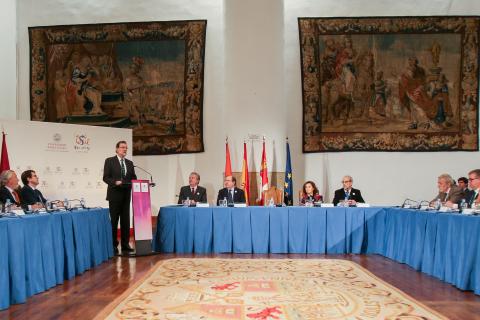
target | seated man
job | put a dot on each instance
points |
(471, 196)
(231, 192)
(463, 184)
(9, 186)
(448, 193)
(193, 191)
(351, 195)
(32, 198)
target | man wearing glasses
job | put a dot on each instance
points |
(350, 196)
(472, 197)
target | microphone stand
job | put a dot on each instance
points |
(152, 184)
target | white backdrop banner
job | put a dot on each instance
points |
(67, 158)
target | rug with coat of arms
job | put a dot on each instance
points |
(264, 289)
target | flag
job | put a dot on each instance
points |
(245, 178)
(4, 163)
(228, 163)
(288, 187)
(264, 173)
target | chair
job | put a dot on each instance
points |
(273, 193)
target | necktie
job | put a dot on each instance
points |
(193, 191)
(123, 168)
(38, 195)
(230, 196)
(474, 198)
(347, 194)
(15, 195)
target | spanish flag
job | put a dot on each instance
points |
(245, 178)
(264, 173)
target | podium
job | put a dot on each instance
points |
(142, 217)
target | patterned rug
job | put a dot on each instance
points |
(264, 289)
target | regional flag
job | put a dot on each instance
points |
(228, 163)
(4, 163)
(288, 187)
(245, 178)
(264, 173)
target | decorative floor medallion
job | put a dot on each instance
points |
(264, 290)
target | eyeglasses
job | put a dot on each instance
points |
(346, 181)
(471, 179)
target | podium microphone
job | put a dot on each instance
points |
(152, 184)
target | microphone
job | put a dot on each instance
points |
(152, 184)
(408, 203)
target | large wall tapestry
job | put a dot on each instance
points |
(390, 84)
(147, 76)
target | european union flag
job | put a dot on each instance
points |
(288, 187)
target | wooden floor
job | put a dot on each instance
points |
(86, 295)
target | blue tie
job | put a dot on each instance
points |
(347, 194)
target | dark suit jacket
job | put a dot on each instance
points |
(113, 172)
(186, 192)
(469, 197)
(355, 194)
(238, 195)
(30, 196)
(455, 195)
(5, 194)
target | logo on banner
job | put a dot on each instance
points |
(47, 171)
(56, 144)
(99, 185)
(73, 185)
(89, 185)
(62, 185)
(75, 171)
(58, 170)
(44, 184)
(86, 171)
(82, 143)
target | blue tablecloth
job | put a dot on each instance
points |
(440, 244)
(41, 251)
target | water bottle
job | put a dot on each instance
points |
(463, 205)
(66, 204)
(8, 206)
(271, 203)
(438, 204)
(345, 201)
(186, 202)
(225, 202)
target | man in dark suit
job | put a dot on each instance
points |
(347, 193)
(32, 198)
(9, 188)
(193, 191)
(231, 193)
(472, 197)
(118, 173)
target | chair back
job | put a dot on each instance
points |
(273, 193)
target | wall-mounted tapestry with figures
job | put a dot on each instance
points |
(390, 84)
(147, 76)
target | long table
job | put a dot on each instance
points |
(440, 244)
(40, 251)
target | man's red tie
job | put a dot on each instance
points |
(15, 195)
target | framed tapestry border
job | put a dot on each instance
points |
(389, 83)
(160, 98)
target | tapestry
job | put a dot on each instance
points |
(264, 289)
(147, 76)
(390, 83)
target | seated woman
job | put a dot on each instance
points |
(310, 193)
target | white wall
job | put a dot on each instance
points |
(252, 86)
(8, 59)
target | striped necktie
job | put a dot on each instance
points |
(123, 168)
